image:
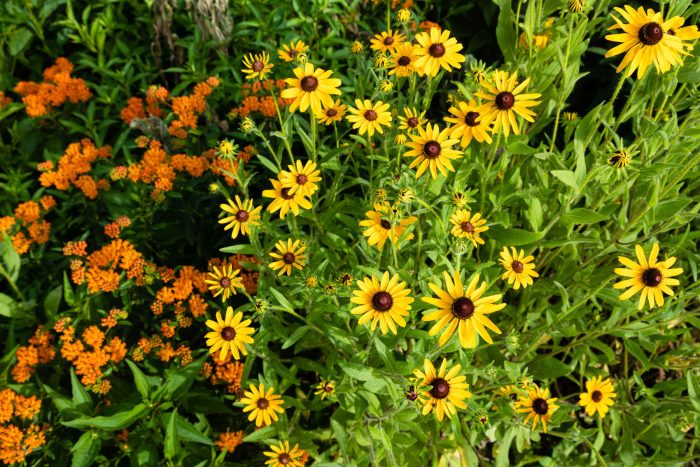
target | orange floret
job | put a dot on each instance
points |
(228, 441)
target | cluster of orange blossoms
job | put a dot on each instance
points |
(28, 226)
(225, 166)
(74, 167)
(229, 441)
(253, 101)
(17, 442)
(163, 350)
(224, 372)
(39, 351)
(57, 88)
(114, 229)
(4, 100)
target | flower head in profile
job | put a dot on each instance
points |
(229, 334)
(263, 406)
(225, 281)
(403, 60)
(301, 178)
(289, 254)
(242, 216)
(284, 201)
(403, 15)
(469, 226)
(442, 391)
(504, 99)
(599, 396)
(387, 41)
(332, 114)
(356, 47)
(437, 50)
(257, 65)
(386, 302)
(519, 268)
(576, 5)
(538, 405)
(289, 52)
(469, 124)
(282, 455)
(325, 389)
(311, 88)
(432, 149)
(368, 117)
(382, 224)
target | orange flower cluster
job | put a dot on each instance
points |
(253, 101)
(57, 88)
(114, 229)
(73, 169)
(250, 278)
(224, 371)
(27, 226)
(111, 320)
(407, 4)
(228, 441)
(15, 442)
(188, 285)
(155, 97)
(4, 100)
(163, 350)
(39, 351)
(220, 166)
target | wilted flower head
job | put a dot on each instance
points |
(403, 15)
(357, 47)
(381, 61)
(386, 86)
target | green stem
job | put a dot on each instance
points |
(560, 101)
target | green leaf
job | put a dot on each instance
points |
(140, 379)
(505, 30)
(281, 299)
(295, 336)
(358, 372)
(68, 290)
(53, 301)
(62, 403)
(548, 368)
(179, 380)
(81, 398)
(693, 389)
(10, 259)
(567, 177)
(243, 249)
(188, 432)
(118, 421)
(583, 216)
(86, 449)
(19, 40)
(340, 435)
(513, 237)
(8, 306)
(262, 434)
(171, 443)
(667, 209)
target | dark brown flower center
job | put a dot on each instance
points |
(540, 406)
(385, 224)
(652, 277)
(505, 100)
(284, 458)
(370, 115)
(331, 112)
(441, 388)
(228, 333)
(615, 159)
(328, 388)
(258, 65)
(517, 266)
(309, 83)
(436, 50)
(412, 122)
(404, 60)
(263, 403)
(596, 396)
(288, 258)
(470, 118)
(242, 215)
(284, 193)
(467, 227)
(225, 282)
(302, 179)
(651, 34)
(382, 301)
(462, 308)
(293, 53)
(411, 395)
(431, 149)
(388, 40)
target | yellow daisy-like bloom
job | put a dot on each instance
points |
(400, 139)
(504, 99)
(684, 33)
(599, 396)
(289, 52)
(332, 114)
(243, 215)
(437, 50)
(387, 41)
(301, 178)
(369, 117)
(263, 406)
(257, 65)
(226, 148)
(225, 281)
(645, 41)
(325, 389)
(403, 60)
(576, 5)
(411, 120)
(283, 200)
(538, 405)
(469, 123)
(386, 302)
(432, 149)
(652, 277)
(380, 225)
(519, 268)
(311, 88)
(282, 456)
(357, 47)
(510, 391)
(229, 334)
(442, 391)
(466, 225)
(620, 159)
(462, 310)
(403, 15)
(288, 254)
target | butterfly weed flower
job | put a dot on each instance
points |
(381, 225)
(519, 268)
(284, 201)
(332, 114)
(311, 88)
(386, 302)
(325, 389)
(411, 119)
(403, 60)
(368, 117)
(289, 254)
(599, 396)
(242, 216)
(469, 124)
(538, 405)
(229, 334)
(437, 50)
(257, 65)
(225, 281)
(504, 99)
(263, 406)
(432, 149)
(386, 41)
(442, 391)
(301, 178)
(282, 455)
(289, 52)
(469, 226)
(650, 276)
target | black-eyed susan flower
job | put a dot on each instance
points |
(652, 277)
(469, 124)
(411, 119)
(386, 86)
(570, 116)
(386, 302)
(263, 406)
(332, 114)
(368, 117)
(620, 158)
(386, 41)
(289, 52)
(289, 254)
(229, 334)
(381, 225)
(282, 455)
(503, 100)
(403, 15)
(538, 405)
(478, 72)
(442, 391)
(356, 47)
(469, 226)
(345, 279)
(284, 201)
(510, 391)
(243, 215)
(437, 50)
(432, 149)
(459, 199)
(257, 65)
(325, 389)
(576, 5)
(401, 139)
(301, 178)
(519, 268)
(311, 88)
(381, 61)
(247, 125)
(224, 281)
(599, 396)
(684, 33)
(226, 148)
(463, 310)
(311, 281)
(403, 60)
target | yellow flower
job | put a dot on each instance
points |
(380, 226)
(412, 119)
(289, 254)
(652, 277)
(400, 139)
(226, 148)
(311, 88)
(620, 159)
(504, 99)
(288, 52)
(462, 310)
(519, 268)
(403, 60)
(386, 302)
(431, 149)
(599, 396)
(243, 215)
(538, 405)
(229, 334)
(509, 391)
(570, 116)
(469, 123)
(386, 86)
(381, 61)
(257, 65)
(247, 125)
(357, 47)
(442, 391)
(466, 225)
(282, 456)
(224, 282)
(576, 5)
(369, 117)
(283, 200)
(687, 33)
(311, 282)
(437, 50)
(332, 114)
(301, 178)
(403, 15)
(325, 389)
(263, 406)
(387, 41)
